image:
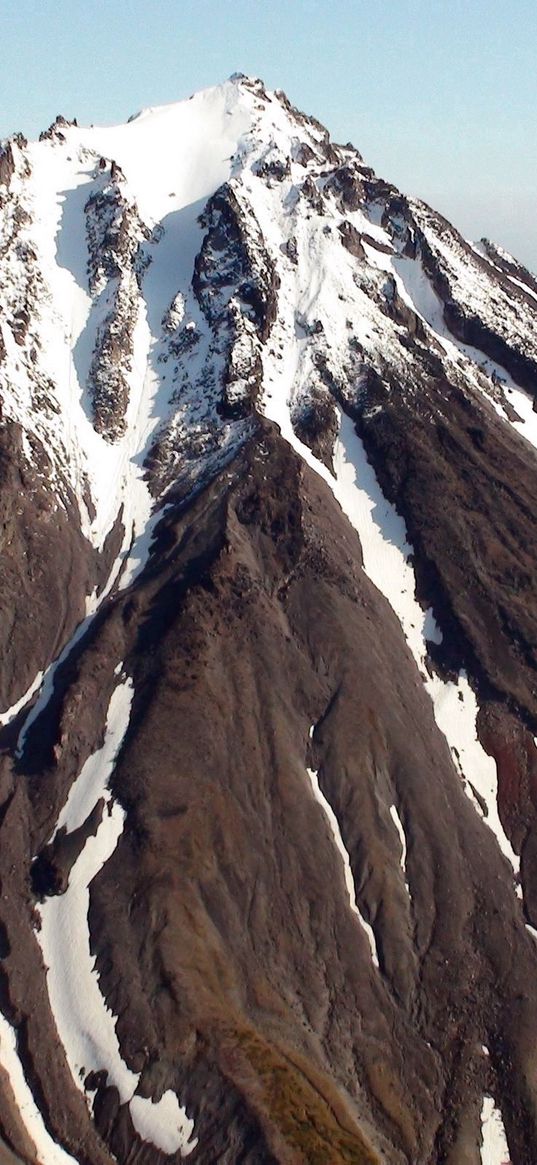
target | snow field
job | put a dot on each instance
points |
(173, 159)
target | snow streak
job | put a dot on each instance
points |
(85, 1025)
(349, 879)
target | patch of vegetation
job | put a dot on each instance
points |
(303, 1116)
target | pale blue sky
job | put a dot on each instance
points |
(440, 96)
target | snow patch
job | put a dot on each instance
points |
(47, 1148)
(456, 709)
(386, 556)
(386, 562)
(10, 714)
(402, 838)
(92, 781)
(46, 683)
(494, 1148)
(86, 1026)
(349, 880)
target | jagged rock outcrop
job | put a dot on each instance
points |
(117, 260)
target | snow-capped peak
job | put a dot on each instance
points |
(267, 429)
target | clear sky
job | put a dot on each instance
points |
(440, 96)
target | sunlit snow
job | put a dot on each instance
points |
(340, 845)
(494, 1149)
(402, 838)
(87, 1028)
(49, 1152)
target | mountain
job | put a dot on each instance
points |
(268, 668)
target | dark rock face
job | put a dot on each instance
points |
(235, 284)
(345, 184)
(250, 912)
(495, 325)
(351, 239)
(7, 165)
(316, 424)
(42, 604)
(55, 132)
(117, 260)
(451, 447)
(234, 262)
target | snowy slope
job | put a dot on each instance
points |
(171, 160)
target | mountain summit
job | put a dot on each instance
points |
(268, 678)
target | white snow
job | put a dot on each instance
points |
(173, 159)
(164, 1123)
(494, 1148)
(48, 1150)
(386, 554)
(92, 781)
(114, 470)
(44, 682)
(386, 550)
(175, 155)
(325, 286)
(10, 713)
(85, 1025)
(349, 880)
(523, 404)
(402, 838)
(476, 287)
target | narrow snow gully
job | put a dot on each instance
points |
(85, 1025)
(387, 562)
(349, 879)
(402, 838)
(166, 188)
(485, 375)
(48, 1151)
